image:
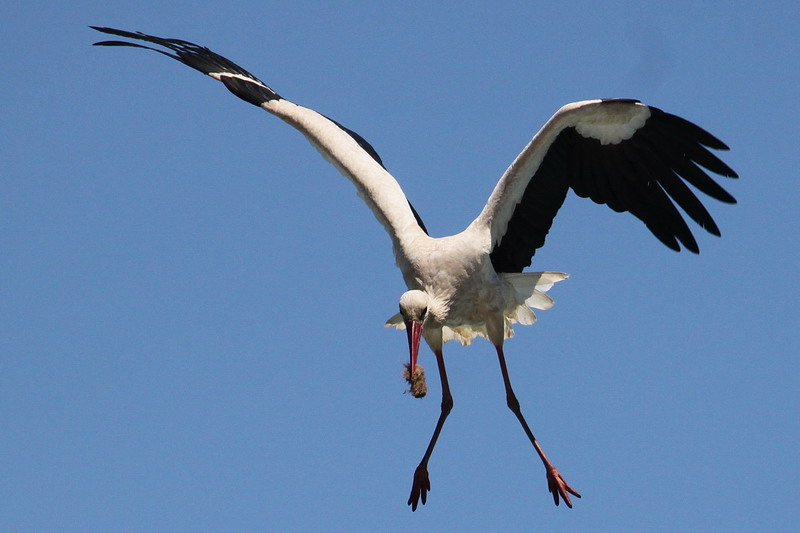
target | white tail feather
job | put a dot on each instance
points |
(529, 290)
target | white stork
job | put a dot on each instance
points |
(618, 152)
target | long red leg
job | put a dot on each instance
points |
(555, 483)
(421, 485)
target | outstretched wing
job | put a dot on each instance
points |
(621, 153)
(342, 147)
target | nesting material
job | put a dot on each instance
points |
(416, 381)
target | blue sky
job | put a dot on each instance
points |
(192, 299)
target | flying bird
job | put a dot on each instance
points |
(618, 152)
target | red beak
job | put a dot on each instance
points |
(414, 331)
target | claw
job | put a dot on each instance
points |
(420, 487)
(558, 487)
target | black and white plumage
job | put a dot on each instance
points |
(619, 152)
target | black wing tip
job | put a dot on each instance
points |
(118, 33)
(674, 243)
(699, 134)
(732, 174)
(103, 29)
(238, 80)
(710, 226)
(122, 33)
(118, 43)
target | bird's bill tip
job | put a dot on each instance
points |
(414, 332)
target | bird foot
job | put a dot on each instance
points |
(558, 487)
(420, 487)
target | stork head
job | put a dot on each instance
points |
(414, 310)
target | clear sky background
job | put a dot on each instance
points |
(192, 300)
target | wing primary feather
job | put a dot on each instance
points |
(658, 217)
(675, 187)
(681, 161)
(672, 218)
(685, 128)
(197, 57)
(684, 140)
(238, 80)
